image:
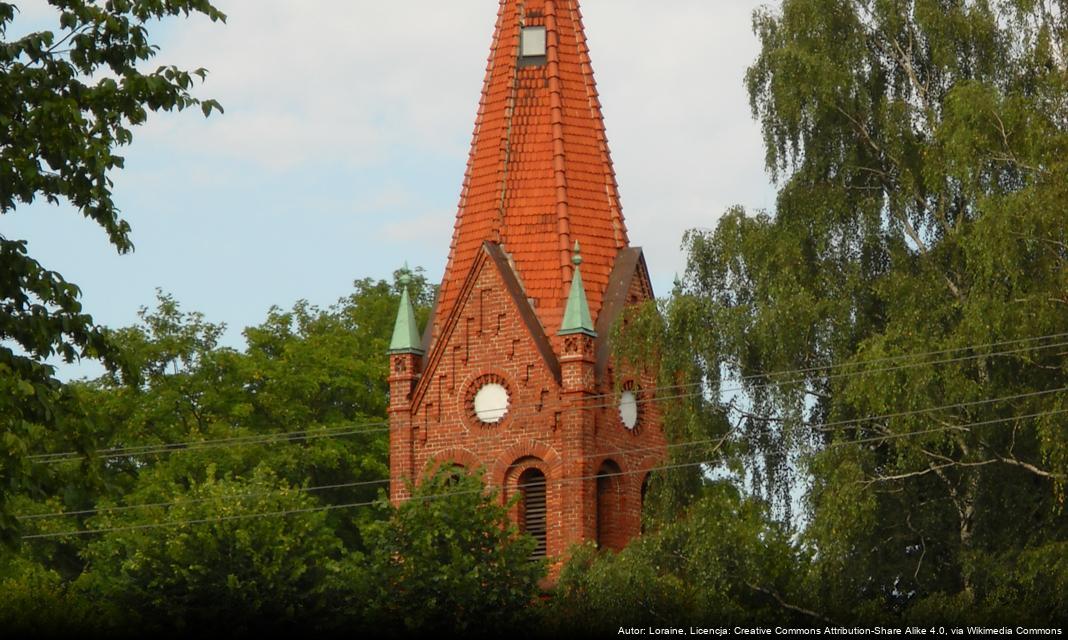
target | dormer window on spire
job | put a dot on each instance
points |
(532, 47)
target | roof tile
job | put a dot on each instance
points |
(539, 174)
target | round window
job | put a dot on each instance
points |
(491, 403)
(628, 409)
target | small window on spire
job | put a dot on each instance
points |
(532, 47)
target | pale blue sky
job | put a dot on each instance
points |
(343, 145)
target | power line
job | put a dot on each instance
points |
(654, 398)
(195, 445)
(320, 488)
(612, 395)
(135, 449)
(152, 505)
(720, 441)
(651, 398)
(830, 426)
(757, 376)
(558, 481)
(648, 396)
(957, 405)
(915, 355)
(962, 427)
(904, 366)
(352, 505)
(338, 431)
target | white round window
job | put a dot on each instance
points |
(491, 403)
(628, 409)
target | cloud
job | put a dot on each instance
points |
(432, 230)
(360, 85)
(324, 81)
(684, 143)
(31, 16)
(347, 128)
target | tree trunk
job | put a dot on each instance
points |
(966, 509)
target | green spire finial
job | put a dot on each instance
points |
(577, 317)
(406, 329)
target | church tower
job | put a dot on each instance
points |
(513, 374)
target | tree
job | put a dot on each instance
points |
(305, 398)
(37, 601)
(723, 560)
(919, 148)
(198, 431)
(450, 559)
(215, 563)
(68, 101)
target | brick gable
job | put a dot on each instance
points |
(539, 178)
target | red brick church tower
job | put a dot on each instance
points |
(513, 375)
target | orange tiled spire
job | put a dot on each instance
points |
(539, 177)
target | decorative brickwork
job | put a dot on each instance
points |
(560, 419)
(539, 179)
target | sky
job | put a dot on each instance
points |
(342, 149)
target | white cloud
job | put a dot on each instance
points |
(432, 230)
(685, 147)
(330, 81)
(353, 82)
(347, 127)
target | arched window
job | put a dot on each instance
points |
(532, 516)
(609, 494)
(645, 491)
(455, 473)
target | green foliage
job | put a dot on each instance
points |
(68, 100)
(311, 365)
(920, 149)
(316, 376)
(450, 560)
(223, 565)
(723, 562)
(669, 339)
(38, 602)
(258, 431)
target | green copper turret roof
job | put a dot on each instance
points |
(577, 317)
(406, 330)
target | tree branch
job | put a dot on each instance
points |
(923, 546)
(933, 468)
(786, 605)
(1047, 240)
(904, 476)
(1012, 460)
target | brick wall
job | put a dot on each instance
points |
(565, 428)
